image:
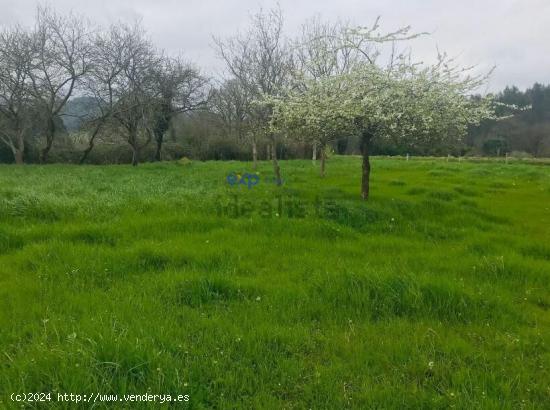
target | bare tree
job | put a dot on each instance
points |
(109, 56)
(320, 50)
(15, 99)
(262, 62)
(180, 89)
(61, 57)
(231, 103)
(135, 90)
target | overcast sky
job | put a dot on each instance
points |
(514, 35)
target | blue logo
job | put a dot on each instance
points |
(248, 180)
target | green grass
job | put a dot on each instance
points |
(435, 293)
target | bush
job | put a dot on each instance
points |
(6, 156)
(520, 155)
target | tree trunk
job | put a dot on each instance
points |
(314, 156)
(255, 155)
(46, 151)
(50, 133)
(135, 155)
(18, 154)
(160, 128)
(133, 141)
(276, 167)
(365, 180)
(323, 160)
(86, 152)
(91, 144)
(268, 152)
(158, 152)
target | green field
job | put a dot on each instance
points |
(121, 280)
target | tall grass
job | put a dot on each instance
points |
(435, 293)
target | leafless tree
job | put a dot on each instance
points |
(109, 56)
(320, 49)
(61, 57)
(262, 62)
(135, 90)
(231, 102)
(15, 99)
(100, 84)
(180, 88)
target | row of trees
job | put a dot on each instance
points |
(334, 80)
(526, 133)
(135, 90)
(338, 80)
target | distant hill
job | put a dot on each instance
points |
(76, 111)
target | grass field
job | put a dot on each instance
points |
(167, 280)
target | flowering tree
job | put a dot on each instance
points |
(315, 114)
(320, 51)
(407, 102)
(414, 105)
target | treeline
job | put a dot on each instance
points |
(113, 83)
(73, 92)
(527, 133)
